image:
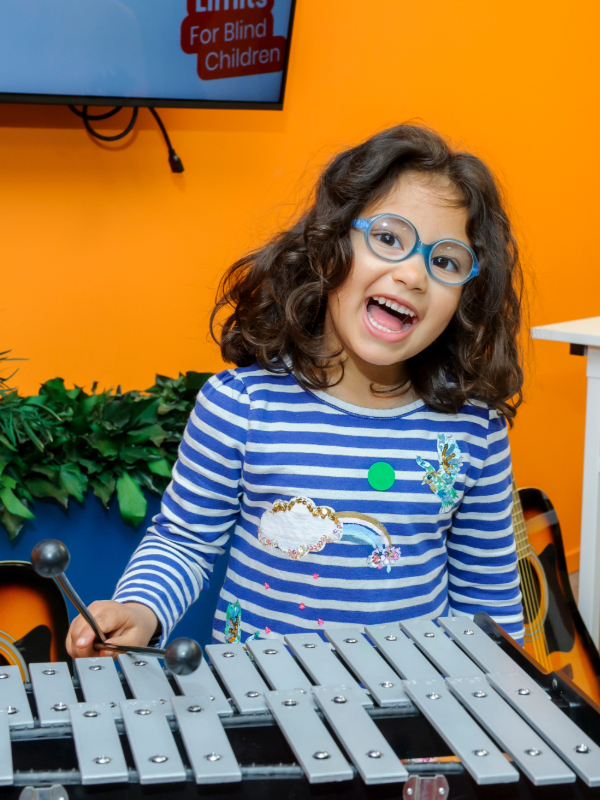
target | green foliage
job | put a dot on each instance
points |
(64, 441)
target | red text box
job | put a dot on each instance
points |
(232, 38)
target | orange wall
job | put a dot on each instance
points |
(110, 261)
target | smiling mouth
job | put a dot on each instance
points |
(388, 316)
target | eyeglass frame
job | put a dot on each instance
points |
(419, 247)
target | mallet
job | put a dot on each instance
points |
(50, 559)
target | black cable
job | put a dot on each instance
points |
(95, 134)
(174, 161)
(108, 114)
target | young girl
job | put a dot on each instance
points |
(358, 453)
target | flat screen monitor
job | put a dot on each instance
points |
(182, 53)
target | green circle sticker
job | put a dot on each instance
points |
(381, 476)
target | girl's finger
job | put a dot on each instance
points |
(82, 637)
(85, 637)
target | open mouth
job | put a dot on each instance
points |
(389, 316)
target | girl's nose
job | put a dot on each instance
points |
(411, 272)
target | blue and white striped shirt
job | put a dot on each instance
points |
(439, 540)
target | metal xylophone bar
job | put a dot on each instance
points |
(445, 676)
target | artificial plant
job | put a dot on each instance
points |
(62, 442)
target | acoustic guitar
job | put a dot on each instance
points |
(33, 618)
(555, 634)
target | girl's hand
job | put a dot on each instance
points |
(122, 623)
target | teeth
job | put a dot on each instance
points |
(383, 301)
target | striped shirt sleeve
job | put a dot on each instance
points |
(175, 558)
(482, 560)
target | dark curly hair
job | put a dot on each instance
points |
(275, 297)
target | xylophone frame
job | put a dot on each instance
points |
(267, 765)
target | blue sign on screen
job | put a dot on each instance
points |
(210, 50)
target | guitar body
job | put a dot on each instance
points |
(555, 634)
(33, 617)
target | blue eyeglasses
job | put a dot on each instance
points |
(394, 238)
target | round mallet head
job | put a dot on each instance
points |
(183, 656)
(50, 558)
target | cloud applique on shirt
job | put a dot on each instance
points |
(298, 527)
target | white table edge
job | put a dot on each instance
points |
(586, 332)
(579, 331)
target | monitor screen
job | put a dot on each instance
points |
(187, 53)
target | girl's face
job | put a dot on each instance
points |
(359, 313)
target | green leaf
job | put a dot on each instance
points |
(41, 488)
(107, 447)
(151, 433)
(79, 424)
(145, 411)
(117, 412)
(13, 505)
(32, 435)
(8, 481)
(132, 454)
(6, 443)
(90, 403)
(49, 472)
(154, 483)
(160, 467)
(73, 481)
(194, 381)
(4, 462)
(55, 390)
(91, 466)
(12, 522)
(105, 477)
(104, 491)
(132, 503)
(165, 408)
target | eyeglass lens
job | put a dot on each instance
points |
(394, 239)
(391, 237)
(451, 262)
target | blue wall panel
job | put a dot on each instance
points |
(100, 544)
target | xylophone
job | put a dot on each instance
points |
(282, 716)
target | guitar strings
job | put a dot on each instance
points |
(525, 569)
(543, 644)
(528, 595)
(526, 573)
(537, 632)
(522, 552)
(538, 636)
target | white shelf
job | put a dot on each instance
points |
(578, 331)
